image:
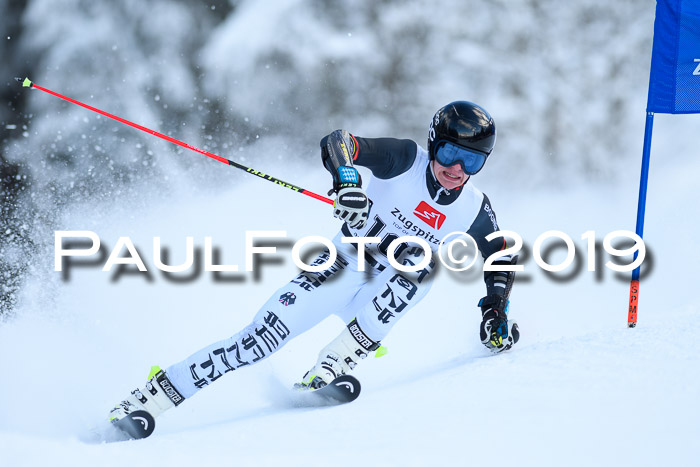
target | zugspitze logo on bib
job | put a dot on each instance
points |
(429, 215)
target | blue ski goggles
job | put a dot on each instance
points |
(448, 154)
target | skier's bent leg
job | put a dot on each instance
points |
(260, 339)
(289, 312)
(400, 292)
(395, 292)
(167, 389)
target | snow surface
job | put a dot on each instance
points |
(579, 389)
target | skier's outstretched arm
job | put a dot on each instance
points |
(495, 331)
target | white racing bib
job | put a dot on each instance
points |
(402, 206)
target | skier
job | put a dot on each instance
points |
(426, 194)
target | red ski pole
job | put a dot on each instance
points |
(28, 84)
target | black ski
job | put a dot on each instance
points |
(341, 390)
(137, 425)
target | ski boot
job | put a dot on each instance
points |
(136, 414)
(340, 356)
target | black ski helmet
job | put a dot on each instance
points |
(464, 124)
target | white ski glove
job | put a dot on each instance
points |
(352, 206)
(351, 203)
